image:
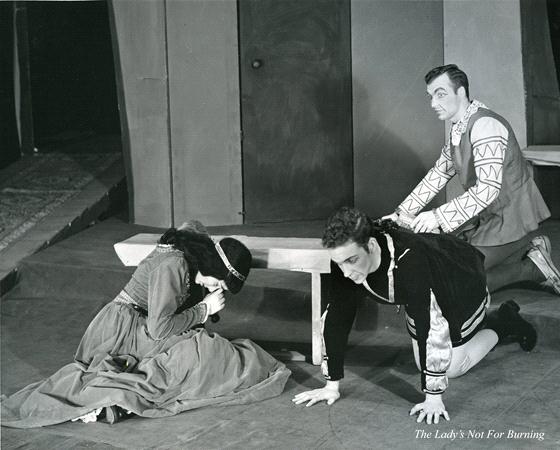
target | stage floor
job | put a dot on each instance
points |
(510, 392)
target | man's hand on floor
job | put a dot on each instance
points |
(430, 409)
(329, 393)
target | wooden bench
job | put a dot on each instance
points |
(545, 165)
(543, 155)
(295, 254)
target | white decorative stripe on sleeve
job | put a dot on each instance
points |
(470, 325)
(390, 277)
(410, 325)
(324, 363)
(438, 349)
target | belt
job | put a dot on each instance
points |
(126, 299)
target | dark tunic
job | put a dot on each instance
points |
(441, 282)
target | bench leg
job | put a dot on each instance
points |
(316, 338)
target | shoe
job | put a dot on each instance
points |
(515, 327)
(543, 242)
(113, 414)
(539, 253)
(544, 245)
(511, 327)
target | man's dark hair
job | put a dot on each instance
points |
(347, 224)
(457, 76)
(351, 224)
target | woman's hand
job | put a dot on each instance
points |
(329, 394)
(215, 301)
(431, 408)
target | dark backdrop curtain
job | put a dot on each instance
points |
(9, 141)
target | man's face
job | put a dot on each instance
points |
(444, 100)
(354, 261)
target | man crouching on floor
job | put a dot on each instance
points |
(438, 278)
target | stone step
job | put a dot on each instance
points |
(102, 195)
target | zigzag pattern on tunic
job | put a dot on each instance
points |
(488, 156)
(431, 184)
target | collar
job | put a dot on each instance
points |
(390, 276)
(459, 128)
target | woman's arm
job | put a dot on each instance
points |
(165, 287)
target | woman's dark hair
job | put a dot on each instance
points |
(457, 76)
(201, 254)
(351, 224)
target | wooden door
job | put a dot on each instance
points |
(295, 108)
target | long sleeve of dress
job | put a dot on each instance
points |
(165, 287)
(434, 181)
(426, 321)
(489, 142)
(339, 317)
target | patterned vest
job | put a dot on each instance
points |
(519, 207)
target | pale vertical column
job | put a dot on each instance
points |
(139, 29)
(316, 337)
(397, 137)
(484, 39)
(205, 111)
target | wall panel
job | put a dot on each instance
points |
(397, 137)
(142, 81)
(484, 39)
(204, 107)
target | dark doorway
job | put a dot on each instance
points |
(9, 142)
(72, 77)
(296, 108)
(553, 7)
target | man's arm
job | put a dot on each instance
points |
(427, 325)
(489, 141)
(435, 351)
(434, 181)
(337, 320)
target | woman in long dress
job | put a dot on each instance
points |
(147, 353)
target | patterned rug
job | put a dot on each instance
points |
(35, 186)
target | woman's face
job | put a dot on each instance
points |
(209, 282)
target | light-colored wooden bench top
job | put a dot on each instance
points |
(543, 155)
(295, 254)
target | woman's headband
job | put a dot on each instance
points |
(232, 270)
